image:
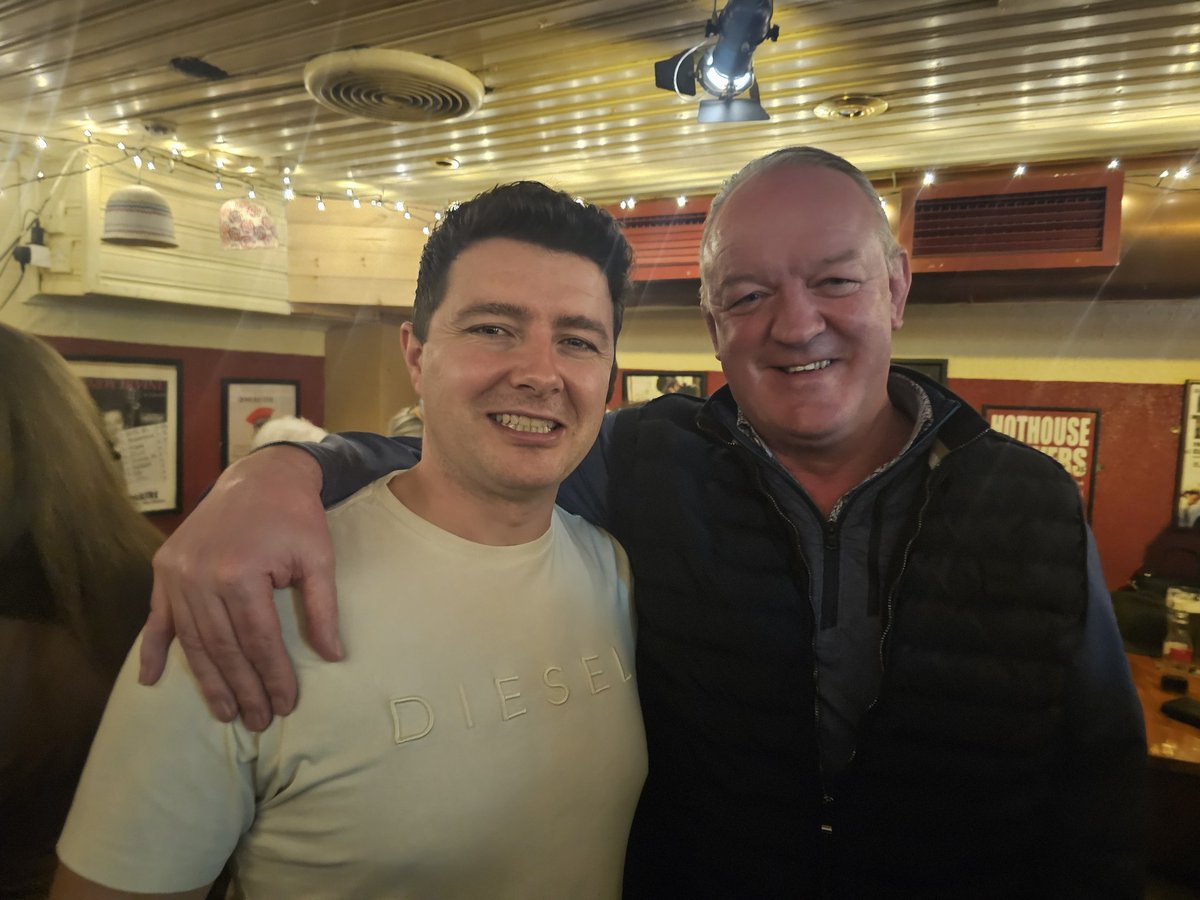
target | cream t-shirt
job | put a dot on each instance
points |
(482, 737)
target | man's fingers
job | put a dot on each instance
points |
(259, 649)
(157, 634)
(319, 598)
(217, 694)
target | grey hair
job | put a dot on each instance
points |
(798, 157)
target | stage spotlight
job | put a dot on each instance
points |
(725, 68)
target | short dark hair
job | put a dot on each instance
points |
(526, 211)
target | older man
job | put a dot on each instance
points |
(876, 655)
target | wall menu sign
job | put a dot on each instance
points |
(139, 403)
(1066, 435)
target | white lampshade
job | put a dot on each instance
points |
(138, 216)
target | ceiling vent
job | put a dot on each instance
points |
(392, 86)
(1032, 222)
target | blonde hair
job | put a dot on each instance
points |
(60, 488)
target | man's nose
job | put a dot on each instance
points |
(798, 315)
(537, 365)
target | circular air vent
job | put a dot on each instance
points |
(850, 106)
(392, 86)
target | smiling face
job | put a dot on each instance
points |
(514, 372)
(801, 305)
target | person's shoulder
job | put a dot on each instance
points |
(588, 538)
(362, 502)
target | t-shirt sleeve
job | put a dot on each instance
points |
(167, 791)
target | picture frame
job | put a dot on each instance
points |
(139, 402)
(641, 386)
(1186, 514)
(1068, 435)
(936, 369)
(246, 403)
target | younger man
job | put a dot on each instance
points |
(482, 736)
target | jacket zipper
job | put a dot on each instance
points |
(889, 607)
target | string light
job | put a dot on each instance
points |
(289, 194)
(137, 161)
(1019, 170)
(150, 165)
(681, 201)
(217, 184)
(1114, 164)
(928, 179)
(121, 146)
(250, 193)
(399, 206)
(320, 204)
(40, 143)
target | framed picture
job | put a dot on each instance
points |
(931, 368)
(139, 401)
(638, 387)
(1067, 435)
(248, 403)
(1187, 483)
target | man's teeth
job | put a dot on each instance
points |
(524, 423)
(811, 367)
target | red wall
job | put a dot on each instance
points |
(201, 371)
(1136, 458)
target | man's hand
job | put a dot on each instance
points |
(261, 527)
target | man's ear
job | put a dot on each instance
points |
(411, 347)
(899, 283)
(711, 323)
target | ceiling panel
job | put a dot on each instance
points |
(571, 98)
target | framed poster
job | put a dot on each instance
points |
(932, 368)
(1187, 483)
(638, 387)
(246, 404)
(1067, 435)
(139, 402)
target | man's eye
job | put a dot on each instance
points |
(576, 343)
(838, 287)
(744, 299)
(488, 330)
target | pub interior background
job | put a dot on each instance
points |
(1079, 122)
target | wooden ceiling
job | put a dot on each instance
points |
(570, 94)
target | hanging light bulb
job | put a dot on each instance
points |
(40, 143)
(250, 193)
(320, 204)
(289, 194)
(217, 184)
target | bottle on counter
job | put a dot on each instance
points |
(1177, 643)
